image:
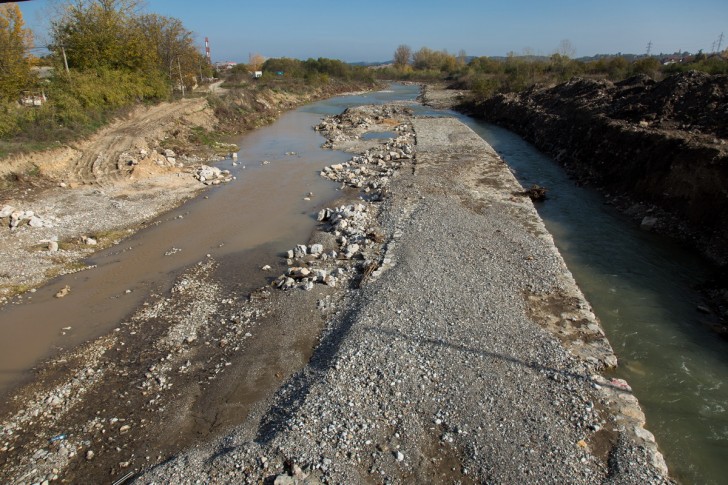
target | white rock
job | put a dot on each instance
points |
(648, 223)
(300, 251)
(169, 153)
(316, 249)
(6, 211)
(320, 274)
(35, 221)
(351, 250)
(53, 246)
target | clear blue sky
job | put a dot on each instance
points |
(371, 30)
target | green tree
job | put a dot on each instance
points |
(103, 34)
(426, 59)
(617, 68)
(647, 65)
(14, 40)
(176, 53)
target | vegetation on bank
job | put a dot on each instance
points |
(280, 73)
(487, 76)
(249, 103)
(107, 56)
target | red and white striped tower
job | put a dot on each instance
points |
(207, 50)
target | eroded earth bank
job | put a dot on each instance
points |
(657, 149)
(428, 332)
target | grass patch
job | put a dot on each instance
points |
(67, 268)
(10, 291)
(104, 239)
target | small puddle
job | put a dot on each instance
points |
(379, 135)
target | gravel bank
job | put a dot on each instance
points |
(469, 355)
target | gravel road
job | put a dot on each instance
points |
(469, 357)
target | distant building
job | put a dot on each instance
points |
(33, 98)
(225, 66)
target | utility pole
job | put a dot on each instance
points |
(720, 41)
(65, 60)
(649, 48)
(181, 81)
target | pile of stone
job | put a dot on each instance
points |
(372, 170)
(355, 250)
(212, 175)
(17, 218)
(167, 158)
(356, 121)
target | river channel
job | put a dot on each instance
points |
(643, 289)
(641, 286)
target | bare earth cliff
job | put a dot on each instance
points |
(658, 149)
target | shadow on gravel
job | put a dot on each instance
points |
(291, 396)
(484, 353)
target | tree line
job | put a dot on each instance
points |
(105, 55)
(486, 76)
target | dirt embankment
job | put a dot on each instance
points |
(661, 144)
(658, 149)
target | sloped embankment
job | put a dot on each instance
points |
(660, 144)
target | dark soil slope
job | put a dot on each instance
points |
(659, 148)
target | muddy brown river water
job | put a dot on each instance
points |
(255, 217)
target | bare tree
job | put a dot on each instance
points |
(402, 56)
(462, 57)
(566, 49)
